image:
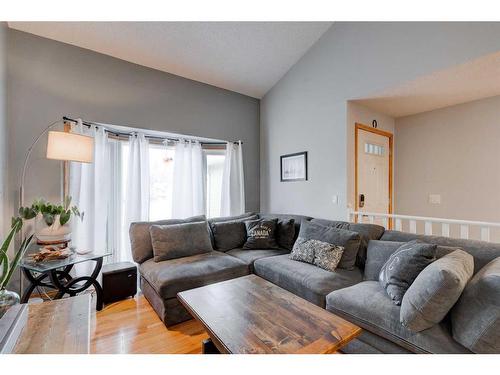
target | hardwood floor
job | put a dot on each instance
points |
(131, 327)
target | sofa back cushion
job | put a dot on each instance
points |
(296, 218)
(482, 251)
(228, 235)
(475, 319)
(347, 239)
(379, 252)
(180, 240)
(241, 217)
(229, 232)
(140, 238)
(366, 232)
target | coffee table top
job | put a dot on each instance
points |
(251, 315)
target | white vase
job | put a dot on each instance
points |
(53, 233)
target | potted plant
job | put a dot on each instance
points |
(7, 267)
(52, 221)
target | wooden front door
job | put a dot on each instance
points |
(373, 170)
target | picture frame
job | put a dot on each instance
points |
(293, 167)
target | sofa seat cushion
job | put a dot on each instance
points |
(250, 256)
(172, 276)
(368, 305)
(305, 280)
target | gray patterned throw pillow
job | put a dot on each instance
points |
(321, 254)
(326, 255)
(303, 251)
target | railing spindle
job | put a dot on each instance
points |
(464, 232)
(399, 225)
(413, 226)
(428, 228)
(371, 218)
(384, 222)
(445, 230)
(485, 234)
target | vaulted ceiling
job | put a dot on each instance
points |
(246, 57)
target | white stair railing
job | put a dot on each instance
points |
(394, 221)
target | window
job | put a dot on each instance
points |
(161, 171)
(374, 149)
(215, 168)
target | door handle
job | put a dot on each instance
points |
(361, 202)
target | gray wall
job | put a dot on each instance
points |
(306, 109)
(3, 125)
(49, 79)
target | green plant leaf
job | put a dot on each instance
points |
(16, 226)
(64, 217)
(27, 213)
(20, 253)
(49, 218)
(4, 262)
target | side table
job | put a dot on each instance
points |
(55, 274)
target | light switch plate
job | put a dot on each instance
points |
(434, 198)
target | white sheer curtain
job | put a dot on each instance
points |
(188, 186)
(233, 181)
(108, 203)
(136, 198)
(90, 189)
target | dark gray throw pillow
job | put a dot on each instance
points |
(285, 233)
(475, 319)
(180, 240)
(435, 290)
(261, 234)
(403, 266)
(349, 240)
(228, 235)
(140, 238)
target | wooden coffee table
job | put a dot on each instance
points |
(252, 315)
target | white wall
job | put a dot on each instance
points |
(356, 113)
(453, 152)
(306, 109)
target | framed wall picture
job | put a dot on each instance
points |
(294, 167)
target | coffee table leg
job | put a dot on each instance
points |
(208, 347)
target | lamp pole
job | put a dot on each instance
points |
(67, 128)
(26, 159)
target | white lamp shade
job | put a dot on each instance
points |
(70, 147)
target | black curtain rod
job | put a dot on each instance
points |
(118, 133)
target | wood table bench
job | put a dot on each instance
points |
(57, 327)
(251, 315)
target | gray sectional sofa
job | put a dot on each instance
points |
(354, 294)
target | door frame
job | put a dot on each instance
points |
(370, 129)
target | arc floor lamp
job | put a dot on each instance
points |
(61, 145)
